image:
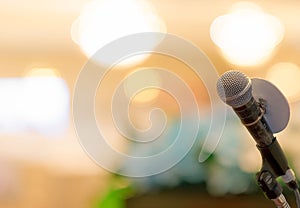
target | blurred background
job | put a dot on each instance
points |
(45, 44)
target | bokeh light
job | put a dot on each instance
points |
(103, 21)
(142, 87)
(250, 160)
(39, 101)
(42, 72)
(286, 76)
(246, 36)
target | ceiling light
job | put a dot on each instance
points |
(246, 36)
(103, 21)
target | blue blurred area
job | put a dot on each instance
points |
(220, 173)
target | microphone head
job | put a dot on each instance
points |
(234, 88)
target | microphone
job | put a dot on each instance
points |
(235, 89)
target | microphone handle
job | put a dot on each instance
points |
(252, 116)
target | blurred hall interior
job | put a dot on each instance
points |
(46, 45)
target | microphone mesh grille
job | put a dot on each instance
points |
(234, 88)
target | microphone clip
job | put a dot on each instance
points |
(271, 188)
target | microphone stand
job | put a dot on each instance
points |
(274, 166)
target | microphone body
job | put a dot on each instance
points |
(251, 115)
